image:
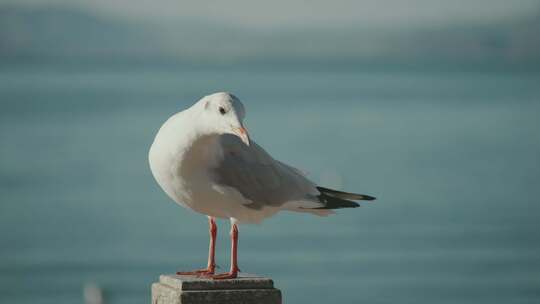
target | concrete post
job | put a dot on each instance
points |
(246, 289)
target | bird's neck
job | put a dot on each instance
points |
(193, 146)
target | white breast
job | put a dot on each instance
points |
(181, 161)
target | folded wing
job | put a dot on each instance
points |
(261, 179)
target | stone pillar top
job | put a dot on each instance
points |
(186, 289)
(189, 282)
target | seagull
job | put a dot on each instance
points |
(204, 160)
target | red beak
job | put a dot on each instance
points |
(243, 134)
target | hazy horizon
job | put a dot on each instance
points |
(389, 14)
(418, 32)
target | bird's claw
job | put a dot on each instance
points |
(199, 272)
(223, 276)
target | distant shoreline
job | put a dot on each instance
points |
(163, 63)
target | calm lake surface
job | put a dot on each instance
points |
(452, 157)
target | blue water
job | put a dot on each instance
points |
(453, 158)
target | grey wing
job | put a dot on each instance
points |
(261, 179)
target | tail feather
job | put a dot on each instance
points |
(333, 199)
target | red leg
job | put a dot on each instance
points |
(233, 273)
(211, 266)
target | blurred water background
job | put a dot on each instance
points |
(449, 148)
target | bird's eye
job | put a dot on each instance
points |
(222, 110)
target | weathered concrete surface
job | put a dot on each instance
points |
(246, 289)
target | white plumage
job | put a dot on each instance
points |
(212, 171)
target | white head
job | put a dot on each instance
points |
(223, 113)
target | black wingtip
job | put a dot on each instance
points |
(345, 195)
(331, 202)
(368, 198)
